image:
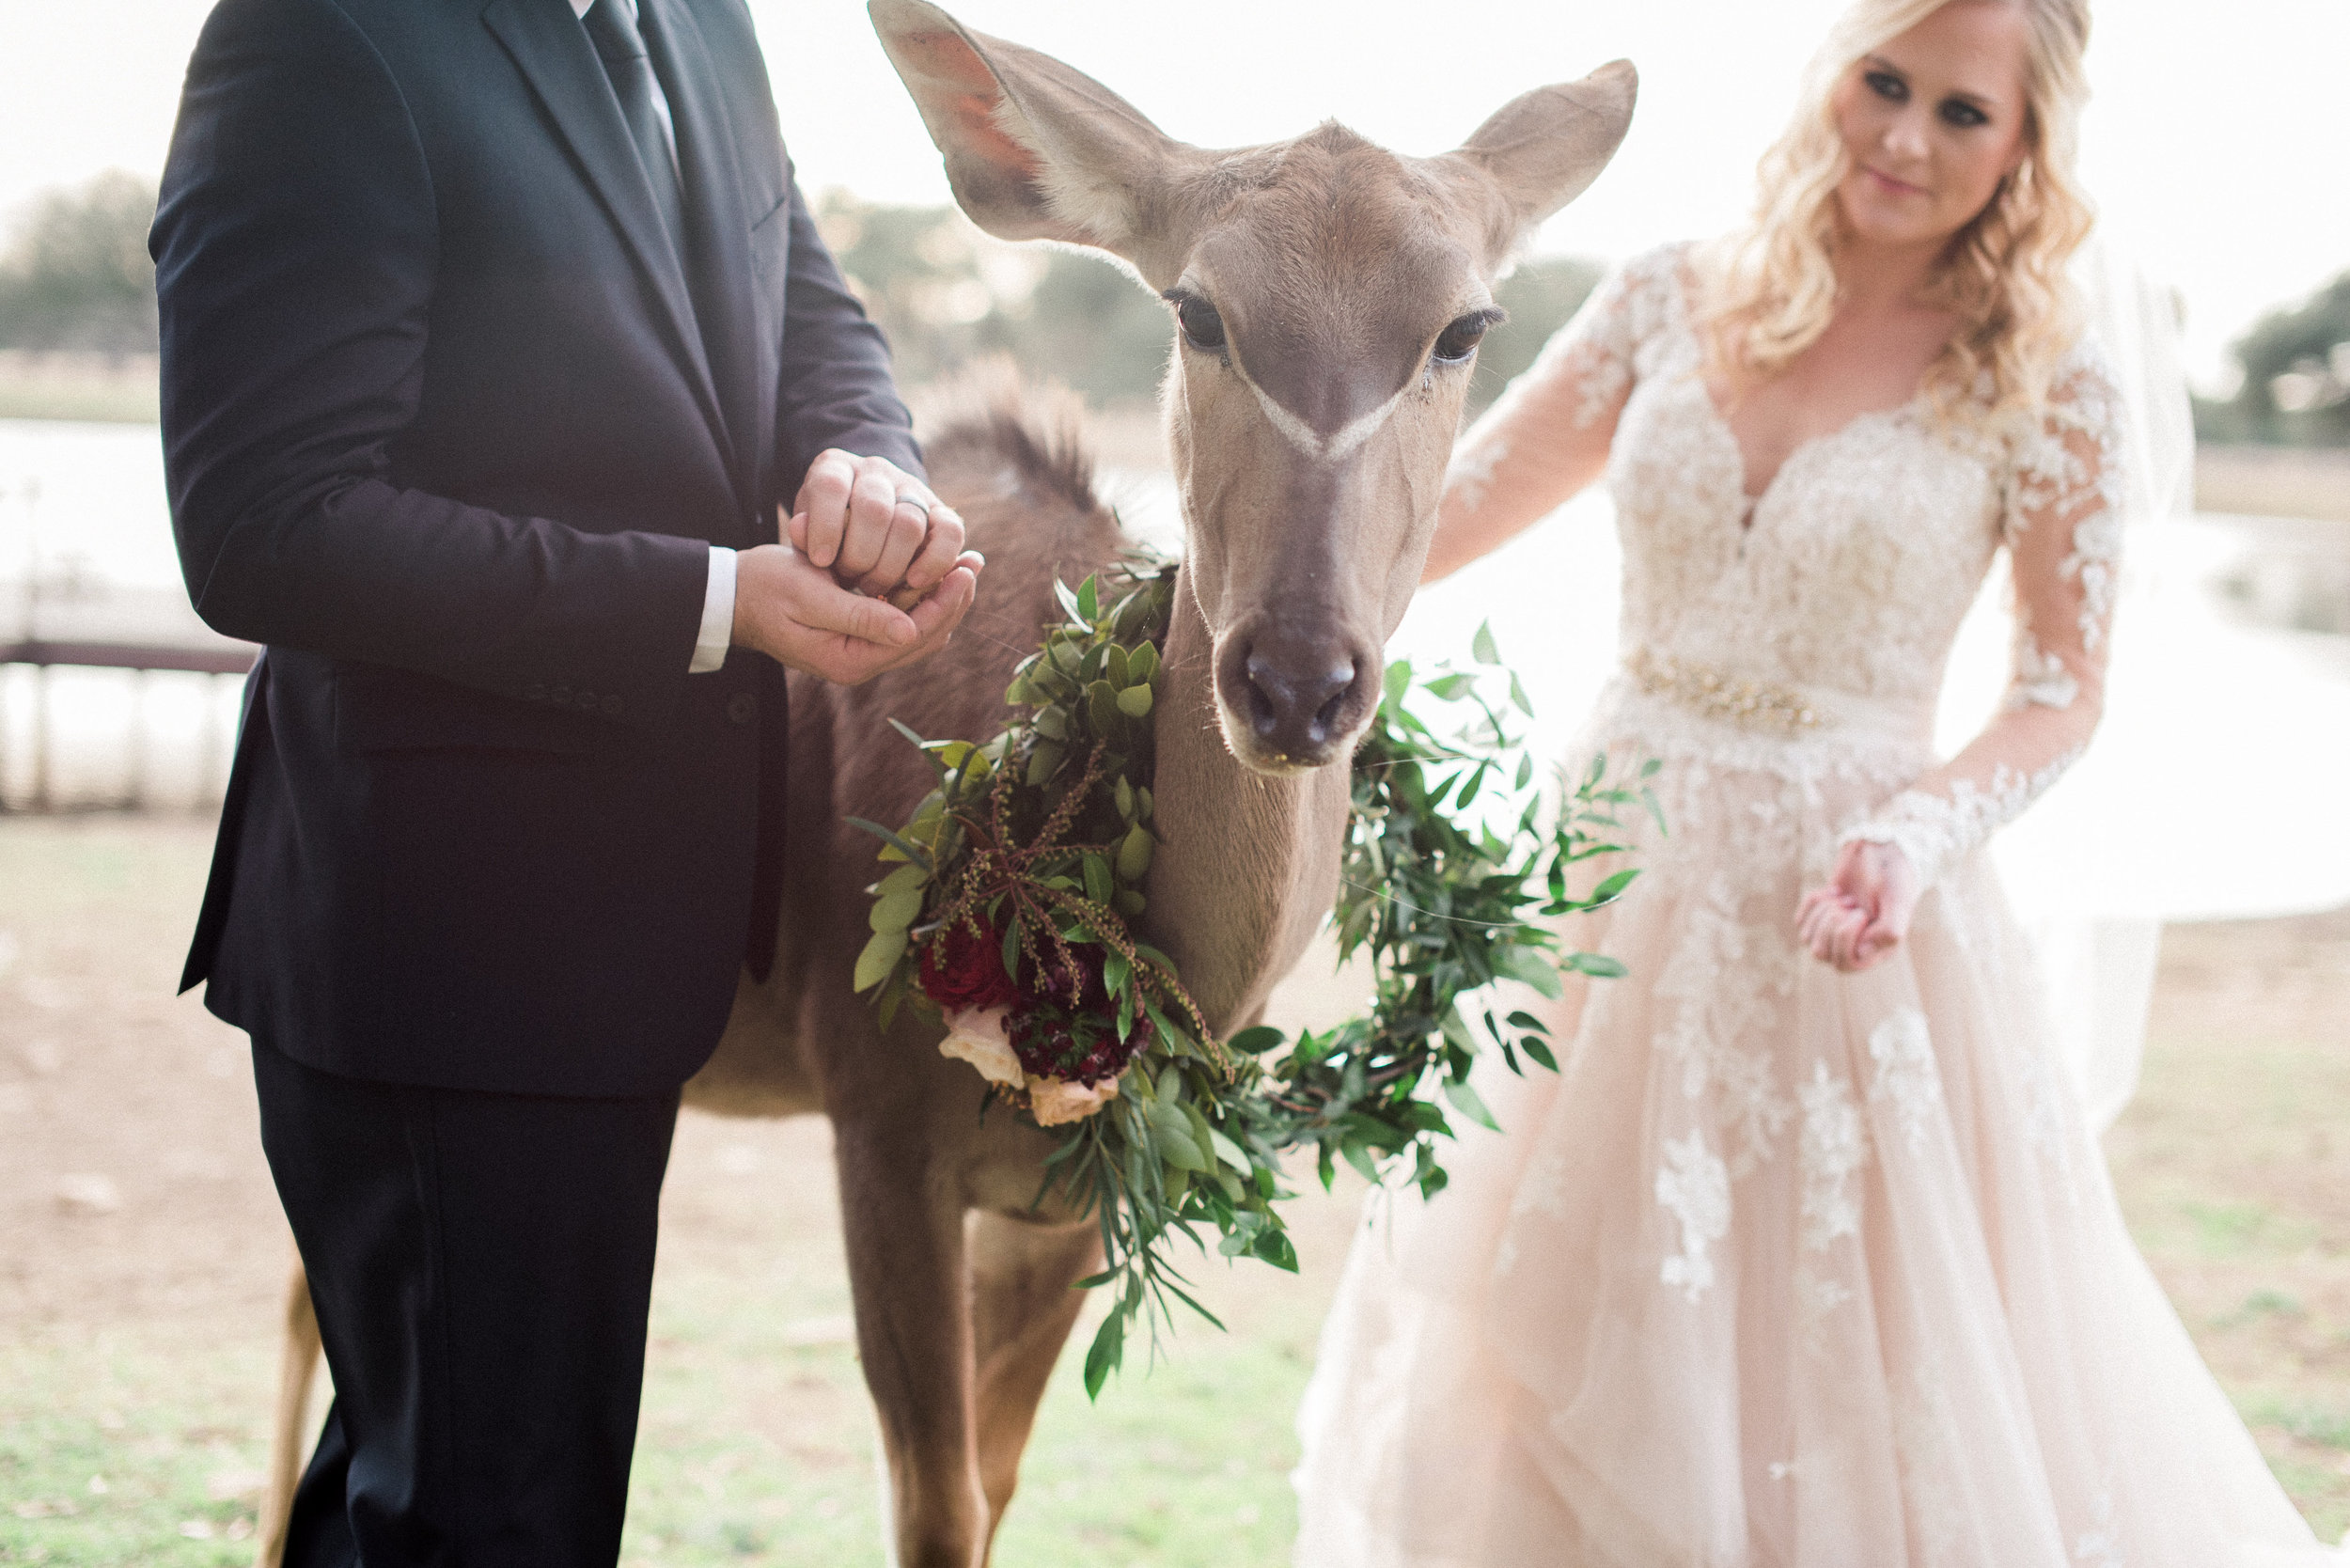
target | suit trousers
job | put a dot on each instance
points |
(482, 1268)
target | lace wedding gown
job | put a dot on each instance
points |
(1788, 1268)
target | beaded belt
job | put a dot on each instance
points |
(1720, 694)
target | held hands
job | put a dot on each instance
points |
(1864, 910)
(875, 575)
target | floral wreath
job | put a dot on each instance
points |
(1007, 914)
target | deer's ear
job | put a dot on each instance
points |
(1034, 150)
(1546, 147)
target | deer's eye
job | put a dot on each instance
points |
(1203, 329)
(1457, 341)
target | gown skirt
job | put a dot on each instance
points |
(1785, 1268)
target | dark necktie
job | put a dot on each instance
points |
(613, 30)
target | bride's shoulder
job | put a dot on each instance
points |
(1647, 292)
(1666, 272)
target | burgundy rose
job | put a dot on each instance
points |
(960, 970)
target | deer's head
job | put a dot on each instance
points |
(1329, 297)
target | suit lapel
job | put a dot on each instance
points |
(717, 228)
(552, 51)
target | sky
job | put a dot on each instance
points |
(2216, 146)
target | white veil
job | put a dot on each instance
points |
(2210, 791)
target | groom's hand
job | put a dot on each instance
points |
(793, 610)
(874, 526)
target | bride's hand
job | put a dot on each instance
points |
(1863, 911)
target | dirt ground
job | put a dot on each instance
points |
(142, 1254)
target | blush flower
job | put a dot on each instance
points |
(1054, 1100)
(978, 1035)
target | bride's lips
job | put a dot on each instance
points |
(1891, 186)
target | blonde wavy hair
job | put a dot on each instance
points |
(1771, 289)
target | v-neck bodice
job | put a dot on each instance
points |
(1864, 549)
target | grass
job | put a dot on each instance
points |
(136, 1346)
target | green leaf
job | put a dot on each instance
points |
(1011, 945)
(1538, 1048)
(879, 958)
(1116, 972)
(1597, 965)
(1482, 647)
(900, 880)
(1257, 1040)
(1608, 891)
(1089, 599)
(1176, 1146)
(1102, 708)
(1517, 696)
(1044, 762)
(1229, 1152)
(898, 848)
(1143, 663)
(1122, 796)
(1398, 680)
(1052, 723)
(896, 911)
(1533, 967)
(1134, 701)
(1069, 601)
(1134, 856)
(1526, 770)
(1129, 904)
(1110, 1346)
(1098, 885)
(1462, 1095)
(1358, 1155)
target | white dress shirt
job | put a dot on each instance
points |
(717, 627)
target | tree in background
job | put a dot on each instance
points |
(944, 294)
(76, 275)
(2297, 377)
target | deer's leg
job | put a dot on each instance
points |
(297, 1362)
(908, 1273)
(1023, 1309)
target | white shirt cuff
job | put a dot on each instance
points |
(717, 633)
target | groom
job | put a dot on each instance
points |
(493, 337)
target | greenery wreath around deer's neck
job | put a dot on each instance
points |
(1011, 912)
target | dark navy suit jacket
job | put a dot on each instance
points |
(449, 426)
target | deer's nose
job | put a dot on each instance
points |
(1297, 707)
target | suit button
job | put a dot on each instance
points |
(611, 707)
(742, 707)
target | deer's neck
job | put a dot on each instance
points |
(1247, 866)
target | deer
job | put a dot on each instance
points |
(1329, 298)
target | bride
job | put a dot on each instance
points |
(1806, 1256)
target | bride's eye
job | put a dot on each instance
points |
(1886, 86)
(1961, 114)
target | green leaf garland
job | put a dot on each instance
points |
(1032, 849)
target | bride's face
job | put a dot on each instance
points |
(1933, 121)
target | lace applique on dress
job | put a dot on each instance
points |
(1694, 1188)
(1933, 831)
(1906, 1073)
(1724, 978)
(2100, 1545)
(1834, 1145)
(2041, 678)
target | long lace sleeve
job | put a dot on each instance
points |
(1547, 435)
(2063, 531)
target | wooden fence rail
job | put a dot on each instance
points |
(142, 659)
